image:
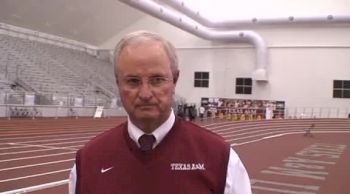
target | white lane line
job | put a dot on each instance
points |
(67, 142)
(309, 187)
(46, 148)
(30, 151)
(37, 187)
(218, 125)
(75, 146)
(50, 140)
(14, 147)
(241, 133)
(273, 130)
(260, 139)
(257, 129)
(43, 133)
(41, 130)
(48, 136)
(282, 134)
(246, 142)
(256, 125)
(256, 136)
(34, 175)
(274, 190)
(43, 145)
(278, 135)
(244, 124)
(40, 156)
(34, 165)
(272, 133)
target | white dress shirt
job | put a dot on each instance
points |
(237, 179)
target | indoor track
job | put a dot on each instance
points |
(36, 155)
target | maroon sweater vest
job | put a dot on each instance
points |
(190, 159)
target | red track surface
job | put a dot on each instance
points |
(277, 155)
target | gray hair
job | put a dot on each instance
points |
(140, 36)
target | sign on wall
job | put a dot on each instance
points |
(244, 108)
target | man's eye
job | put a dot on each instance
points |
(133, 82)
(157, 80)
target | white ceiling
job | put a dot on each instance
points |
(90, 21)
(97, 21)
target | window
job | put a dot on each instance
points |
(201, 79)
(341, 88)
(244, 85)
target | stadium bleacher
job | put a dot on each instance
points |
(51, 70)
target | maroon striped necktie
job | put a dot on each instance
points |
(146, 142)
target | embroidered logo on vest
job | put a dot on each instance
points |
(187, 166)
(103, 170)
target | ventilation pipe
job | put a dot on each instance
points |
(181, 21)
(195, 15)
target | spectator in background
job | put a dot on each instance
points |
(308, 130)
(192, 112)
(180, 111)
(155, 152)
(201, 112)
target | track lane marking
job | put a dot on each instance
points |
(69, 142)
(40, 156)
(39, 164)
(48, 136)
(31, 151)
(14, 147)
(46, 148)
(48, 140)
(37, 187)
(267, 137)
(35, 175)
(279, 135)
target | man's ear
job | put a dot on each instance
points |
(116, 80)
(176, 77)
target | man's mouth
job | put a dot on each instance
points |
(146, 106)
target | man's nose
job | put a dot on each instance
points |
(145, 91)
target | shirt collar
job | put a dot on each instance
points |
(159, 133)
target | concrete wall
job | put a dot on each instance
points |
(303, 59)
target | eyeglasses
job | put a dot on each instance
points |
(153, 82)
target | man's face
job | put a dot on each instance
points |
(145, 82)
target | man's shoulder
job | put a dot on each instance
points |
(200, 133)
(107, 137)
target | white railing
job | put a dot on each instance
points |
(60, 99)
(317, 112)
(56, 111)
(11, 111)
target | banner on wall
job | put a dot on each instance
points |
(244, 108)
(29, 99)
(78, 102)
(98, 112)
(114, 103)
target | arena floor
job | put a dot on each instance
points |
(36, 155)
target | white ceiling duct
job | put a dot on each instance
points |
(194, 14)
(184, 22)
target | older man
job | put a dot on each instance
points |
(154, 152)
